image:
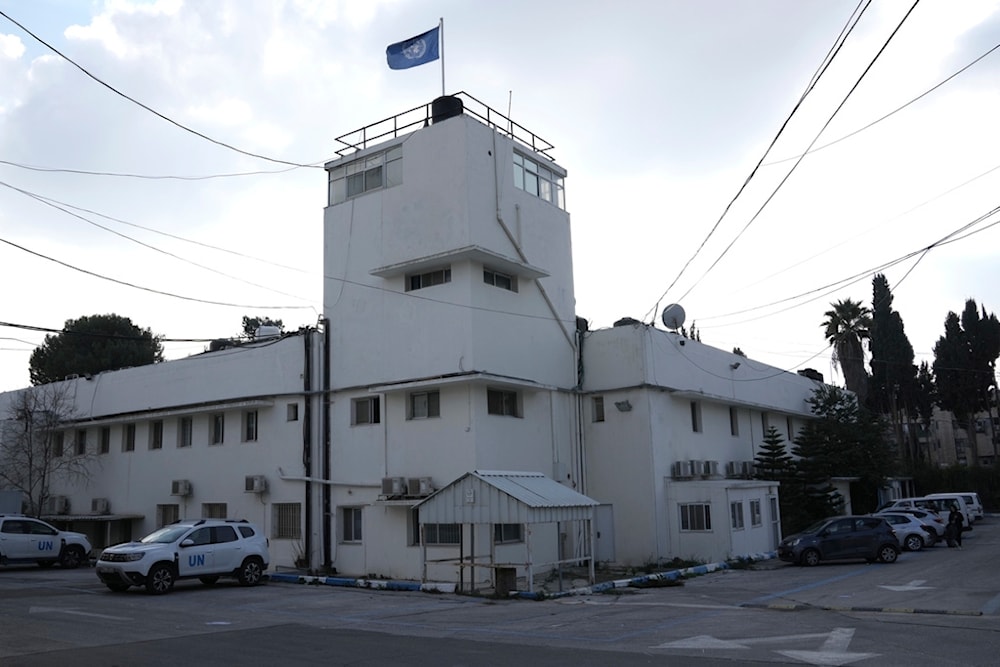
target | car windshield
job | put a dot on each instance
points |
(165, 535)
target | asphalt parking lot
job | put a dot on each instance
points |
(938, 606)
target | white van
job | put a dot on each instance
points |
(971, 499)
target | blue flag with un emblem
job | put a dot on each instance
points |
(413, 51)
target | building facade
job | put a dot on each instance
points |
(449, 344)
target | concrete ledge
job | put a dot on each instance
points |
(373, 584)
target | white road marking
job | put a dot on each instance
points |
(834, 650)
(915, 585)
(57, 610)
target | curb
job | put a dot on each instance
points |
(372, 584)
(883, 610)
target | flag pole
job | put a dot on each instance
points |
(441, 47)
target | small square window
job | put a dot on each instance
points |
(501, 280)
(508, 533)
(503, 402)
(166, 514)
(598, 404)
(287, 521)
(696, 517)
(214, 510)
(292, 412)
(365, 411)
(424, 404)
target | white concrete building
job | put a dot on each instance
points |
(449, 344)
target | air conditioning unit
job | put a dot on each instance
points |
(711, 469)
(419, 486)
(393, 486)
(100, 506)
(681, 469)
(56, 505)
(255, 484)
(180, 487)
(746, 468)
(697, 468)
(734, 469)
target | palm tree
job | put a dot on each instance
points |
(846, 326)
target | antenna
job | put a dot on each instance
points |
(673, 316)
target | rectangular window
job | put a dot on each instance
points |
(58, 440)
(598, 405)
(365, 411)
(503, 402)
(374, 172)
(156, 434)
(217, 433)
(755, 516)
(105, 439)
(185, 429)
(538, 180)
(421, 280)
(507, 533)
(286, 522)
(789, 427)
(167, 514)
(696, 516)
(501, 280)
(250, 426)
(292, 412)
(351, 522)
(734, 421)
(736, 515)
(764, 423)
(128, 438)
(442, 533)
(213, 510)
(80, 443)
(424, 404)
(696, 416)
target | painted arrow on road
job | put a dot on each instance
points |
(832, 652)
(915, 585)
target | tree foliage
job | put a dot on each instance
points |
(965, 362)
(33, 450)
(846, 326)
(773, 462)
(93, 344)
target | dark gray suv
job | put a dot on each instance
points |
(842, 537)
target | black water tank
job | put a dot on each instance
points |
(446, 107)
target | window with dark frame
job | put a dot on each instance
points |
(80, 442)
(734, 421)
(373, 172)
(128, 438)
(166, 514)
(156, 434)
(696, 516)
(105, 439)
(351, 524)
(365, 411)
(292, 412)
(217, 433)
(424, 404)
(286, 523)
(502, 402)
(250, 426)
(185, 429)
(501, 280)
(428, 279)
(598, 405)
(736, 515)
(696, 416)
(214, 510)
(508, 533)
(756, 518)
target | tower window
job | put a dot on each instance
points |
(417, 281)
(381, 170)
(501, 280)
(538, 180)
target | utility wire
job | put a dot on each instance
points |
(147, 245)
(802, 157)
(147, 108)
(852, 21)
(206, 177)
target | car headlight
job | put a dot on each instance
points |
(795, 542)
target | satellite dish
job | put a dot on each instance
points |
(673, 316)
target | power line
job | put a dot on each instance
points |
(824, 65)
(62, 170)
(148, 108)
(802, 157)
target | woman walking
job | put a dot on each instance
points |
(954, 529)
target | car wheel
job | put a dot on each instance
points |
(160, 579)
(887, 553)
(913, 542)
(251, 571)
(208, 581)
(810, 557)
(72, 557)
(117, 587)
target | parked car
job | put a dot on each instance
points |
(203, 548)
(971, 499)
(841, 537)
(929, 517)
(24, 539)
(940, 504)
(912, 533)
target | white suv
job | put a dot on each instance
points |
(202, 548)
(27, 540)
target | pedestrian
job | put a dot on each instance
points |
(955, 520)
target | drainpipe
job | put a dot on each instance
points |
(327, 451)
(307, 443)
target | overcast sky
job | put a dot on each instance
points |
(659, 109)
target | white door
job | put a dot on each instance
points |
(197, 557)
